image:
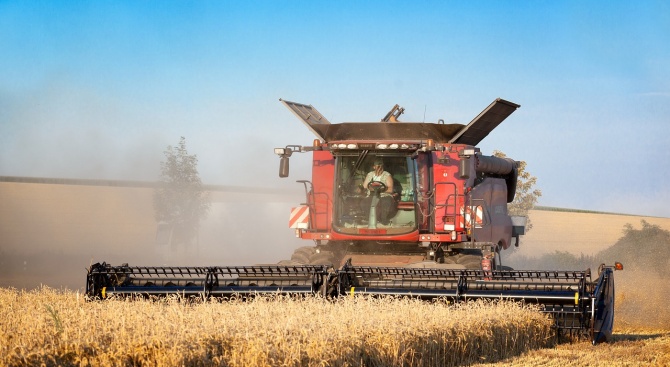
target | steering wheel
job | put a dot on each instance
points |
(377, 186)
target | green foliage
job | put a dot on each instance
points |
(58, 324)
(643, 249)
(526, 194)
(180, 200)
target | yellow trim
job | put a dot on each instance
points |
(352, 291)
(104, 290)
(576, 298)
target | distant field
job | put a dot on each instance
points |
(577, 232)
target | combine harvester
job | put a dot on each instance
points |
(396, 208)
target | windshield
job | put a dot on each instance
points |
(375, 194)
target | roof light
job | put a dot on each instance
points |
(382, 146)
(341, 146)
(393, 146)
(352, 146)
(280, 151)
(404, 146)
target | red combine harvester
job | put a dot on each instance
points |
(434, 201)
(396, 208)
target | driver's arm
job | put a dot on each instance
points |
(368, 178)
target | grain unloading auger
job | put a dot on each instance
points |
(575, 302)
(395, 208)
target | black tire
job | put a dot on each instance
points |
(300, 257)
(307, 255)
(322, 258)
(307, 250)
(450, 260)
(303, 254)
(470, 261)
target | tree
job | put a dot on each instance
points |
(640, 249)
(526, 193)
(180, 201)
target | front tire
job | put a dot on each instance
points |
(470, 260)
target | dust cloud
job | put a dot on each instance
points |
(51, 233)
(112, 145)
(642, 300)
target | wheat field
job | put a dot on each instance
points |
(60, 328)
(49, 327)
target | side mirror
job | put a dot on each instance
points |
(283, 167)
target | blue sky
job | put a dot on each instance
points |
(99, 89)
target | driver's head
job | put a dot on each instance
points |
(378, 165)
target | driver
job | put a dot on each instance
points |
(385, 205)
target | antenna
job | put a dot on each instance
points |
(424, 113)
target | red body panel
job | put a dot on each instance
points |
(406, 237)
(323, 169)
(448, 190)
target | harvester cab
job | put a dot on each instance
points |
(405, 194)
